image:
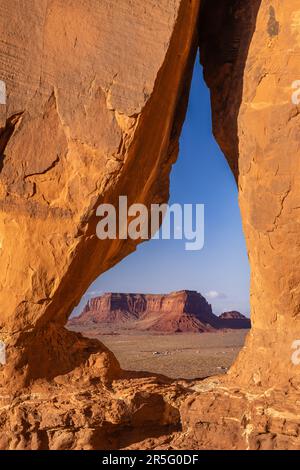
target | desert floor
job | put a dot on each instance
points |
(181, 355)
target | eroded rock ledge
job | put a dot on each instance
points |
(96, 96)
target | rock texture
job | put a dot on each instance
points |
(183, 311)
(250, 74)
(96, 95)
(255, 101)
(84, 81)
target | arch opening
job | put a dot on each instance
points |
(167, 310)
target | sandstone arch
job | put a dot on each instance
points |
(89, 128)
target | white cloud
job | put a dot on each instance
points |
(94, 293)
(213, 294)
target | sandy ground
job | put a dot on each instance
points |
(182, 355)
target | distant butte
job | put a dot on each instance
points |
(183, 311)
(234, 320)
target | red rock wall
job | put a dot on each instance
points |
(183, 306)
(250, 73)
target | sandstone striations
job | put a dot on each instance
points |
(96, 96)
(84, 81)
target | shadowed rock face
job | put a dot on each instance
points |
(234, 320)
(250, 74)
(255, 123)
(234, 315)
(96, 95)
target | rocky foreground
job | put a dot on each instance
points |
(178, 312)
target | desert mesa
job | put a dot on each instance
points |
(182, 311)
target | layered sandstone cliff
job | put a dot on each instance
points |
(183, 311)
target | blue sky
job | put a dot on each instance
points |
(220, 271)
